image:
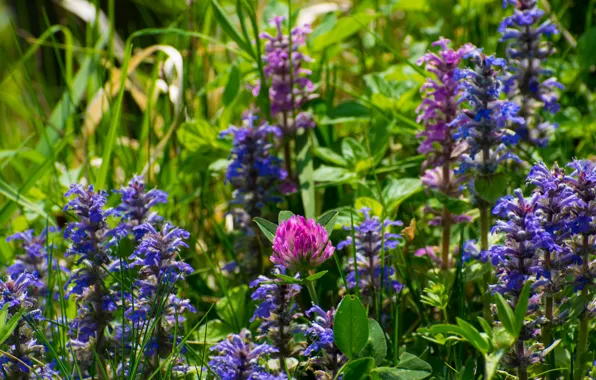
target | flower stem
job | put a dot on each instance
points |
(484, 227)
(582, 344)
(446, 238)
(310, 285)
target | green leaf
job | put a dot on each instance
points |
(486, 327)
(353, 151)
(232, 308)
(456, 206)
(10, 325)
(350, 326)
(333, 174)
(398, 190)
(232, 87)
(586, 48)
(349, 111)
(228, 27)
(491, 188)
(506, 315)
(327, 220)
(284, 215)
(3, 315)
(330, 156)
(213, 332)
(316, 276)
(491, 363)
(10, 193)
(474, 337)
(267, 227)
(306, 174)
(376, 346)
(410, 367)
(344, 28)
(468, 372)
(358, 369)
(522, 307)
(288, 279)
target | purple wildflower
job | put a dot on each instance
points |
(484, 125)
(135, 207)
(290, 88)
(371, 269)
(532, 85)
(35, 258)
(25, 352)
(239, 358)
(277, 311)
(159, 271)
(301, 244)
(325, 359)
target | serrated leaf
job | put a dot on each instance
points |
(284, 215)
(327, 220)
(268, 228)
(350, 328)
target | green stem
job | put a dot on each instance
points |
(484, 229)
(579, 368)
(310, 285)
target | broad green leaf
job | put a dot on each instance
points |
(344, 28)
(334, 175)
(358, 369)
(10, 325)
(327, 220)
(306, 174)
(330, 156)
(398, 190)
(267, 227)
(228, 27)
(284, 215)
(349, 110)
(316, 276)
(410, 367)
(373, 204)
(522, 307)
(376, 346)
(232, 308)
(491, 188)
(232, 87)
(350, 328)
(506, 315)
(353, 151)
(198, 136)
(213, 332)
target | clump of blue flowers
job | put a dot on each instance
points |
(372, 271)
(237, 357)
(278, 312)
(325, 359)
(26, 356)
(530, 83)
(485, 124)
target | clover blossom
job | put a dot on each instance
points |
(278, 312)
(159, 271)
(25, 354)
(135, 207)
(301, 244)
(517, 262)
(373, 274)
(325, 359)
(532, 85)
(484, 125)
(290, 88)
(35, 258)
(91, 240)
(239, 358)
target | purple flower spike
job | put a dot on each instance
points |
(301, 244)
(484, 125)
(239, 358)
(290, 88)
(325, 359)
(531, 85)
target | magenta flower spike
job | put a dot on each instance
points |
(301, 244)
